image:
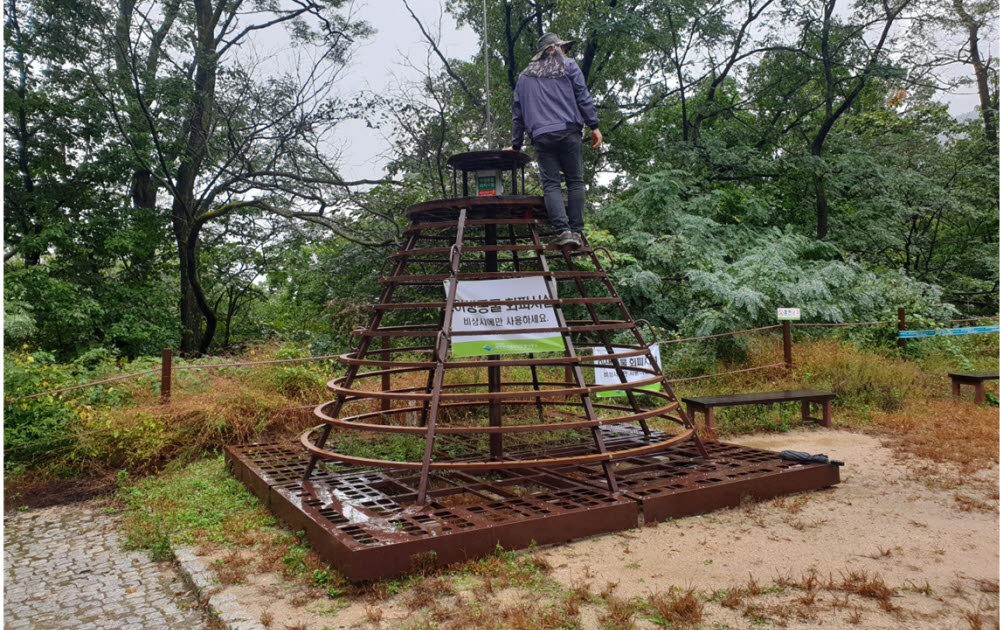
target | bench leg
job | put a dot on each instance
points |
(980, 393)
(692, 418)
(956, 388)
(710, 418)
(805, 412)
(827, 414)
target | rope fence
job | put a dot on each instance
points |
(751, 369)
(176, 368)
(166, 368)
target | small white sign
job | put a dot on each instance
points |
(789, 313)
(606, 374)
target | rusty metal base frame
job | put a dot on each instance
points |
(366, 523)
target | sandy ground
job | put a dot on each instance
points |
(929, 534)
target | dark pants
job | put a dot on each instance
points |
(555, 152)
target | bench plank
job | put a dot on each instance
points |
(976, 376)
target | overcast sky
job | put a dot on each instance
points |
(379, 64)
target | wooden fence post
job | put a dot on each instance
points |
(786, 342)
(900, 326)
(165, 373)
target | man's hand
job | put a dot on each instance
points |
(596, 138)
(511, 149)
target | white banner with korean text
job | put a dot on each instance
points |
(605, 373)
(489, 322)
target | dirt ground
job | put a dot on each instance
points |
(900, 543)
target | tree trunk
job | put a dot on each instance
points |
(191, 316)
(822, 208)
(987, 101)
(194, 306)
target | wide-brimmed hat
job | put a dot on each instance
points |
(550, 39)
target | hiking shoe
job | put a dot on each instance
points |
(579, 238)
(563, 239)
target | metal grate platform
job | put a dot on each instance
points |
(366, 523)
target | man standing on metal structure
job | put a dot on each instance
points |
(551, 104)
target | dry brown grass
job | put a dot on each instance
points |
(232, 568)
(428, 591)
(972, 504)
(266, 618)
(732, 599)
(988, 586)
(952, 431)
(855, 617)
(805, 598)
(869, 585)
(619, 613)
(232, 409)
(577, 594)
(679, 608)
(374, 614)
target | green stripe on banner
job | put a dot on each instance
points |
(621, 392)
(507, 346)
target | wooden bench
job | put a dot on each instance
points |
(976, 379)
(706, 404)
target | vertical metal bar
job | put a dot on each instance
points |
(429, 387)
(449, 311)
(165, 375)
(588, 406)
(534, 368)
(786, 342)
(386, 378)
(493, 373)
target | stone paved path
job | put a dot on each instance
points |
(63, 568)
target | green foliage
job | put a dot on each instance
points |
(38, 429)
(18, 322)
(688, 263)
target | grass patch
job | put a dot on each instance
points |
(950, 431)
(199, 503)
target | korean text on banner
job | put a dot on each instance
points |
(489, 322)
(605, 373)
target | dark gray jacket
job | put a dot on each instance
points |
(551, 96)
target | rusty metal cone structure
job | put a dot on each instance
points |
(406, 402)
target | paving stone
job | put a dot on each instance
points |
(65, 570)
